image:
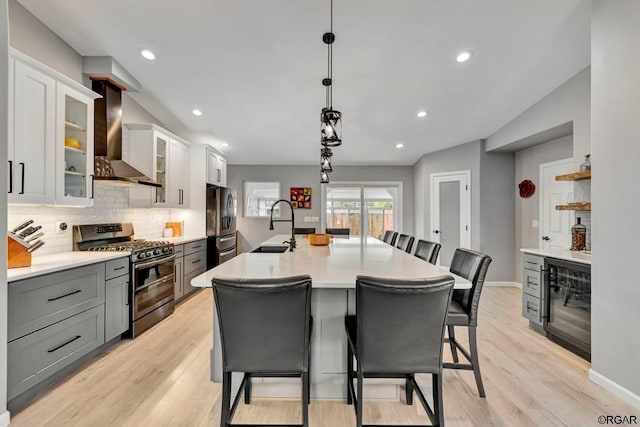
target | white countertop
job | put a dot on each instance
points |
(565, 254)
(333, 266)
(61, 261)
(179, 240)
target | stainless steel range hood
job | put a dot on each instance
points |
(109, 168)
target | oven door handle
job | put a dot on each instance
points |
(157, 282)
(154, 262)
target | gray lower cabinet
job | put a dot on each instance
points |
(40, 301)
(191, 261)
(116, 316)
(39, 355)
(55, 319)
(533, 289)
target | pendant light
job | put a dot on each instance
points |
(330, 119)
(325, 160)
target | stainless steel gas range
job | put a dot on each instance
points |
(151, 294)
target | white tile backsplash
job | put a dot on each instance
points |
(111, 204)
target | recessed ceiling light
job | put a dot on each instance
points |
(421, 114)
(463, 56)
(147, 54)
(399, 145)
(196, 112)
(224, 144)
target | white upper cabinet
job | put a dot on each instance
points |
(179, 173)
(50, 152)
(31, 152)
(162, 157)
(216, 168)
(74, 148)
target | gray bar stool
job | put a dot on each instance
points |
(265, 327)
(428, 251)
(472, 266)
(338, 231)
(397, 332)
(405, 243)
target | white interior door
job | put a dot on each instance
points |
(450, 212)
(555, 226)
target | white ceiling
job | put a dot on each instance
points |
(255, 67)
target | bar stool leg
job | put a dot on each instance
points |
(247, 388)
(452, 343)
(226, 399)
(349, 374)
(473, 343)
(359, 399)
(438, 407)
(305, 399)
(409, 389)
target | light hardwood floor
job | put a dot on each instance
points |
(162, 379)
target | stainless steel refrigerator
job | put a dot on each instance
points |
(221, 225)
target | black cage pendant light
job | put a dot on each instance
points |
(325, 160)
(330, 119)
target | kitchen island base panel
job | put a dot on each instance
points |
(328, 356)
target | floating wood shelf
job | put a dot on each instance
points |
(576, 176)
(583, 207)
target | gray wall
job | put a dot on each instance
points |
(4, 66)
(253, 231)
(492, 205)
(568, 103)
(616, 156)
(528, 163)
(497, 213)
(31, 36)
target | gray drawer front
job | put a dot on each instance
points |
(187, 280)
(532, 308)
(195, 262)
(116, 306)
(531, 283)
(532, 262)
(198, 245)
(41, 301)
(117, 267)
(179, 250)
(37, 356)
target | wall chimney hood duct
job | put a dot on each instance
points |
(109, 167)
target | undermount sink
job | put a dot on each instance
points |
(270, 249)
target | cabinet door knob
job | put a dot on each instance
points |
(546, 238)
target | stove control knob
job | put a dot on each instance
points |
(142, 255)
(157, 252)
(166, 250)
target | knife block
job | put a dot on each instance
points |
(17, 255)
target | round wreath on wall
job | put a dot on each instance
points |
(527, 188)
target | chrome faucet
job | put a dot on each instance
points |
(292, 242)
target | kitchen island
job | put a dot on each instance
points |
(333, 270)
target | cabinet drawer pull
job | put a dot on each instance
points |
(65, 295)
(93, 186)
(22, 177)
(10, 176)
(77, 337)
(196, 261)
(196, 247)
(119, 268)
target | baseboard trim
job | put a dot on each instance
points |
(615, 388)
(504, 284)
(4, 419)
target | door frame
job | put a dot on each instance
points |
(397, 213)
(465, 199)
(541, 194)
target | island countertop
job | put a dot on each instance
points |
(332, 266)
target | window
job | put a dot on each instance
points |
(259, 197)
(345, 206)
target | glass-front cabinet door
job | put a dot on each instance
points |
(74, 146)
(161, 152)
